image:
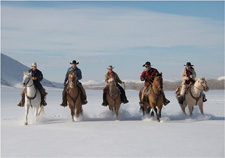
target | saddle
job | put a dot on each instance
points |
(186, 89)
(147, 91)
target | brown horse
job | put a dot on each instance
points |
(74, 96)
(154, 98)
(113, 98)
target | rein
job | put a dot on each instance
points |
(78, 93)
(196, 98)
(157, 96)
(113, 98)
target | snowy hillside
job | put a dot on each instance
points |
(98, 135)
(12, 73)
(221, 78)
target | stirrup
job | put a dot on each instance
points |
(141, 103)
(104, 104)
(84, 102)
(63, 104)
(20, 105)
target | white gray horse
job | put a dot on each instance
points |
(194, 96)
(32, 97)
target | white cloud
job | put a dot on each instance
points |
(89, 30)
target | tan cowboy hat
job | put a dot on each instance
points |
(110, 67)
(34, 64)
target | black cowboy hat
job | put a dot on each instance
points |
(188, 64)
(147, 64)
(74, 62)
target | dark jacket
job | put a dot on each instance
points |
(38, 74)
(71, 69)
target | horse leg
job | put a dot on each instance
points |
(183, 106)
(190, 107)
(72, 111)
(26, 113)
(159, 112)
(201, 108)
(36, 113)
(155, 109)
(78, 110)
(117, 111)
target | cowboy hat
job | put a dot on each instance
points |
(74, 62)
(147, 64)
(188, 64)
(34, 64)
(110, 67)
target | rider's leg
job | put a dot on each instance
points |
(64, 102)
(165, 100)
(105, 103)
(142, 96)
(123, 94)
(43, 94)
(21, 103)
(83, 93)
(182, 93)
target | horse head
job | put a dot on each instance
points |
(158, 82)
(202, 83)
(72, 79)
(112, 86)
(27, 78)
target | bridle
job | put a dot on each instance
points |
(27, 83)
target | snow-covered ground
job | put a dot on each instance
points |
(97, 134)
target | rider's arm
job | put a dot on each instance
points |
(40, 76)
(118, 79)
(66, 77)
(193, 74)
(142, 76)
(79, 74)
(184, 75)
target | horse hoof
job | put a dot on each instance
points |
(26, 123)
(158, 120)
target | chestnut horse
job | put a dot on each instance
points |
(113, 98)
(154, 98)
(74, 96)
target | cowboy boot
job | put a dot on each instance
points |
(124, 98)
(64, 102)
(181, 99)
(203, 97)
(43, 94)
(165, 101)
(21, 103)
(83, 94)
(104, 100)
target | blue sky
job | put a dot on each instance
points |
(124, 34)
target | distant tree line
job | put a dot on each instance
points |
(213, 84)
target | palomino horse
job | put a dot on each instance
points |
(113, 98)
(74, 96)
(194, 96)
(154, 98)
(32, 97)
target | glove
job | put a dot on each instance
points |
(142, 79)
(34, 78)
(64, 84)
(123, 82)
(190, 76)
(187, 78)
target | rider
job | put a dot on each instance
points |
(72, 69)
(109, 75)
(37, 76)
(188, 75)
(148, 76)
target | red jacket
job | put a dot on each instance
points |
(148, 76)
